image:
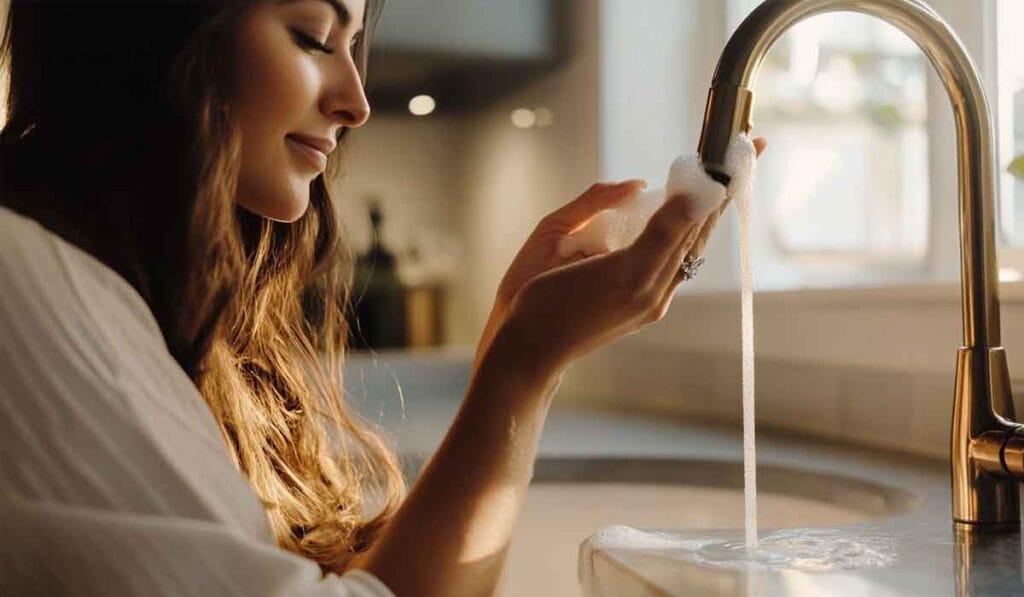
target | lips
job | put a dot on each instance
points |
(323, 144)
(313, 154)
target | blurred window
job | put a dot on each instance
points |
(1009, 110)
(842, 99)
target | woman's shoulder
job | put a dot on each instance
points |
(83, 365)
(43, 275)
(57, 300)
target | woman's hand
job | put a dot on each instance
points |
(643, 275)
(539, 253)
(566, 312)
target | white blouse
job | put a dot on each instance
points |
(114, 479)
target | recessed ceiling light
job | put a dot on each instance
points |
(545, 117)
(523, 118)
(421, 105)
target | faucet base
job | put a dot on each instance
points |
(961, 527)
(985, 495)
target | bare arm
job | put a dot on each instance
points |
(451, 535)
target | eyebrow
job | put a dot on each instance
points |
(340, 9)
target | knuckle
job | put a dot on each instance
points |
(652, 316)
(655, 303)
(646, 300)
(632, 277)
(660, 232)
(660, 309)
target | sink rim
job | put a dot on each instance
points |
(854, 493)
(873, 498)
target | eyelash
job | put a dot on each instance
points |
(310, 42)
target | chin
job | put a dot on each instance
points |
(286, 213)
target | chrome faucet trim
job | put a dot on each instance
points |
(987, 448)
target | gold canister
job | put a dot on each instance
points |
(425, 315)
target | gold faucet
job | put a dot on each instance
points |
(987, 447)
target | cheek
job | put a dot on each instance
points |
(275, 92)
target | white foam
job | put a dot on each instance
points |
(807, 550)
(624, 537)
(617, 228)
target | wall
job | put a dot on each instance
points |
(513, 177)
(407, 162)
(477, 180)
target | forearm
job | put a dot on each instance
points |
(451, 534)
(487, 336)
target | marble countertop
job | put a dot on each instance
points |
(925, 556)
(928, 556)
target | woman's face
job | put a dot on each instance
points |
(290, 92)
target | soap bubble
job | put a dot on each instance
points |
(619, 227)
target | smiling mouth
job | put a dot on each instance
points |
(312, 155)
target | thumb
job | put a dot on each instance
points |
(598, 197)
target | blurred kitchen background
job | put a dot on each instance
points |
(490, 114)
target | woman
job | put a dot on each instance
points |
(170, 274)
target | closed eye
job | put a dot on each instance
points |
(310, 43)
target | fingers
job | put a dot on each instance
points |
(759, 145)
(665, 236)
(671, 277)
(665, 279)
(702, 235)
(587, 244)
(670, 292)
(692, 243)
(695, 232)
(598, 197)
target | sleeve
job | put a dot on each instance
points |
(114, 479)
(56, 549)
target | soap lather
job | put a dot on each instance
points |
(616, 228)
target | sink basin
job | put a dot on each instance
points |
(570, 499)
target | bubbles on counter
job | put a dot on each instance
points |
(807, 550)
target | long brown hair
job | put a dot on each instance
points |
(119, 137)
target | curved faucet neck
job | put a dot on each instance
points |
(730, 103)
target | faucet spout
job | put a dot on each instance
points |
(985, 495)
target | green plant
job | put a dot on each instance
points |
(1016, 167)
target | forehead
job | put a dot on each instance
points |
(348, 11)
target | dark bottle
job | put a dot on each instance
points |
(378, 294)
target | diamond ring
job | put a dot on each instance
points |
(689, 267)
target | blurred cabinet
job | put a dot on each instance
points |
(464, 53)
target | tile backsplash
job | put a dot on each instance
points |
(902, 411)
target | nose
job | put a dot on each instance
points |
(348, 104)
